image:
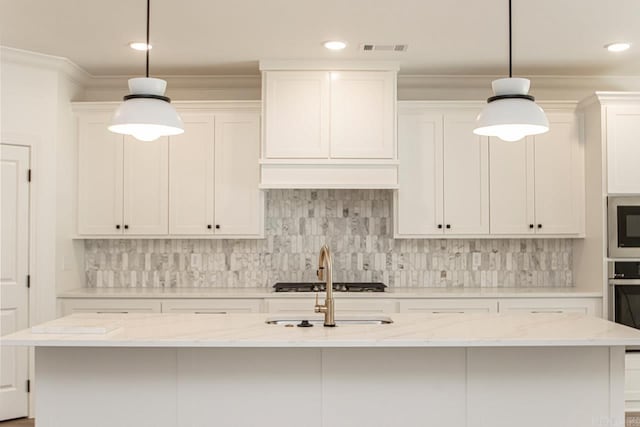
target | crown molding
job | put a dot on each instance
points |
(67, 68)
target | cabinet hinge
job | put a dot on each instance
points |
(28, 280)
(28, 386)
(29, 175)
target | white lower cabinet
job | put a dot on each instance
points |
(67, 306)
(343, 306)
(212, 306)
(448, 306)
(590, 306)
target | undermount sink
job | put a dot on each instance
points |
(319, 321)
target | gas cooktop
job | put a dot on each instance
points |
(338, 287)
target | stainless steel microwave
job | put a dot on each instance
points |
(624, 227)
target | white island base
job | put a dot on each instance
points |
(565, 386)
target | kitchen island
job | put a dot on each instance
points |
(170, 370)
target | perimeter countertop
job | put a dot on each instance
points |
(546, 292)
(250, 330)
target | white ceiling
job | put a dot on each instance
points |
(462, 37)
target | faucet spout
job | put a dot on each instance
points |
(325, 270)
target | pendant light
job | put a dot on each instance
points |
(511, 114)
(146, 114)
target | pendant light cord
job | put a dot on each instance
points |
(510, 48)
(148, 7)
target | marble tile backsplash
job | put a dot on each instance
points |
(357, 225)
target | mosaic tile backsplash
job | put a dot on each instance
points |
(357, 225)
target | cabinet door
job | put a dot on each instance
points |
(466, 176)
(363, 114)
(296, 114)
(511, 187)
(419, 198)
(99, 176)
(239, 205)
(191, 180)
(558, 170)
(623, 149)
(146, 186)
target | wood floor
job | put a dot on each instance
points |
(632, 420)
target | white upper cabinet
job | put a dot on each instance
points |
(297, 114)
(537, 184)
(455, 183)
(191, 183)
(362, 115)
(203, 182)
(99, 176)
(443, 173)
(238, 202)
(466, 176)
(122, 182)
(329, 126)
(622, 124)
(418, 201)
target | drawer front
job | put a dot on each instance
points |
(590, 306)
(343, 306)
(70, 306)
(448, 306)
(212, 306)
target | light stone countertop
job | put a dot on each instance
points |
(250, 330)
(547, 292)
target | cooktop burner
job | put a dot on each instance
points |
(338, 287)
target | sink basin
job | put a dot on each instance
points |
(318, 321)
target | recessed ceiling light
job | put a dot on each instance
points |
(618, 47)
(335, 45)
(140, 46)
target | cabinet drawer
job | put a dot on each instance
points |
(444, 306)
(590, 306)
(70, 306)
(212, 306)
(343, 306)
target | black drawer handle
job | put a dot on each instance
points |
(530, 225)
(539, 225)
(209, 226)
(118, 227)
(217, 226)
(126, 227)
(448, 225)
(439, 225)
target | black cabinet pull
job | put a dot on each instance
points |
(217, 226)
(209, 226)
(530, 225)
(439, 225)
(539, 225)
(448, 225)
(126, 227)
(118, 227)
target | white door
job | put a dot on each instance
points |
(557, 176)
(146, 186)
(238, 201)
(14, 294)
(297, 114)
(511, 187)
(466, 176)
(191, 180)
(99, 176)
(419, 198)
(363, 114)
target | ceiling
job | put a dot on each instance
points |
(445, 37)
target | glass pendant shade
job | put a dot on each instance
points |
(146, 114)
(511, 114)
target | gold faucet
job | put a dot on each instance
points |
(324, 273)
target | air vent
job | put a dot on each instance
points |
(370, 47)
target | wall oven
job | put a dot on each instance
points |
(624, 295)
(624, 227)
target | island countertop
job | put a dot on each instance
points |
(250, 330)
